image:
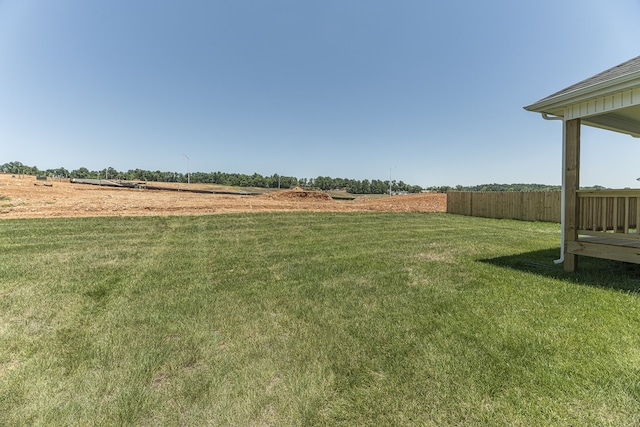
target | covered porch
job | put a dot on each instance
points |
(602, 224)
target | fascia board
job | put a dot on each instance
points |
(560, 102)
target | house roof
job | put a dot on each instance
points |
(609, 100)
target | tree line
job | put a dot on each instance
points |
(220, 178)
(324, 183)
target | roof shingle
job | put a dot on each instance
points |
(629, 67)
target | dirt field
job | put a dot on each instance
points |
(26, 197)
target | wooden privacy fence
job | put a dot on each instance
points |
(522, 205)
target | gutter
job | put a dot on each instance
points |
(564, 186)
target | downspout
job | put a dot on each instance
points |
(563, 190)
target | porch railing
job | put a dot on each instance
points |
(609, 211)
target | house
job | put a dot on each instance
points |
(605, 223)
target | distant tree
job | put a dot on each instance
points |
(81, 173)
(19, 168)
(12, 167)
(258, 180)
(58, 173)
(379, 187)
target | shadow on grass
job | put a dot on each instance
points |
(595, 272)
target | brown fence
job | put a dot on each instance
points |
(522, 205)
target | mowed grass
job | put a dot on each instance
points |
(311, 319)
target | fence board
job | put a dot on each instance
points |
(521, 205)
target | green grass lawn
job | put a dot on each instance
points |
(311, 319)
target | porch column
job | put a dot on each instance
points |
(572, 184)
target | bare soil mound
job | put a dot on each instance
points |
(27, 197)
(297, 193)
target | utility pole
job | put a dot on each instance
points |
(390, 179)
(188, 170)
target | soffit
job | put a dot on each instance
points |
(608, 100)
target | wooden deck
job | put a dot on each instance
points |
(608, 246)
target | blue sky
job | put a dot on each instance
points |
(429, 91)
